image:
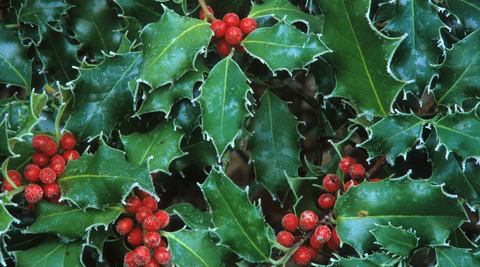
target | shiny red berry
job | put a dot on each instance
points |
(331, 245)
(129, 261)
(323, 234)
(152, 239)
(335, 237)
(349, 183)
(223, 48)
(285, 238)
(32, 173)
(231, 19)
(47, 176)
(247, 25)
(133, 204)
(38, 141)
(152, 263)
(314, 242)
(49, 148)
(375, 180)
(142, 213)
(58, 168)
(57, 159)
(141, 194)
(331, 182)
(7, 187)
(201, 15)
(40, 159)
(357, 171)
(313, 252)
(240, 49)
(14, 175)
(345, 164)
(141, 255)
(51, 190)
(33, 193)
(219, 28)
(67, 141)
(326, 201)
(302, 256)
(290, 222)
(233, 35)
(150, 202)
(151, 223)
(135, 237)
(124, 226)
(163, 217)
(71, 154)
(162, 255)
(308, 220)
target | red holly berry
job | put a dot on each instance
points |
(162, 255)
(163, 217)
(55, 200)
(240, 48)
(7, 187)
(331, 245)
(302, 256)
(129, 261)
(141, 255)
(152, 239)
(57, 159)
(135, 237)
(151, 263)
(49, 148)
(51, 190)
(357, 171)
(31, 207)
(290, 222)
(335, 237)
(314, 242)
(375, 180)
(14, 175)
(141, 194)
(285, 238)
(71, 154)
(308, 220)
(133, 203)
(33, 193)
(67, 141)
(313, 252)
(124, 226)
(40, 159)
(223, 48)
(331, 182)
(58, 168)
(150, 202)
(219, 28)
(32, 173)
(233, 35)
(247, 25)
(201, 15)
(326, 201)
(38, 141)
(323, 234)
(152, 223)
(345, 164)
(349, 183)
(142, 213)
(231, 19)
(47, 176)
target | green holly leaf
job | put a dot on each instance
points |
(423, 207)
(52, 218)
(284, 10)
(393, 136)
(274, 144)
(460, 133)
(371, 260)
(104, 178)
(173, 41)
(196, 248)
(96, 26)
(4, 144)
(232, 209)
(467, 11)
(6, 219)
(451, 256)
(198, 152)
(102, 96)
(193, 218)
(45, 10)
(159, 147)
(284, 47)
(414, 59)
(186, 116)
(458, 239)
(395, 239)
(51, 252)
(14, 62)
(304, 192)
(459, 74)
(361, 56)
(224, 103)
(145, 11)
(97, 237)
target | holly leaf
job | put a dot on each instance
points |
(102, 96)
(423, 207)
(102, 179)
(159, 147)
(96, 26)
(97, 237)
(6, 219)
(186, 116)
(14, 62)
(193, 218)
(361, 56)
(54, 218)
(304, 192)
(274, 144)
(284, 47)
(416, 56)
(371, 260)
(467, 11)
(45, 10)
(458, 239)
(395, 239)
(451, 256)
(284, 10)
(393, 136)
(145, 11)
(4, 144)
(173, 41)
(459, 74)
(51, 252)
(231, 209)
(198, 152)
(224, 103)
(460, 132)
(196, 248)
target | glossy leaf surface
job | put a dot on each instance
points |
(6, 219)
(373, 260)
(199, 152)
(4, 145)
(468, 11)
(192, 217)
(45, 10)
(453, 257)
(395, 239)
(304, 190)
(145, 11)
(14, 62)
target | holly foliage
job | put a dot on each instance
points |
(140, 85)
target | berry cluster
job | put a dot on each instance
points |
(355, 170)
(142, 232)
(230, 31)
(46, 167)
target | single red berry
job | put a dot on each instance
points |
(163, 217)
(331, 245)
(57, 159)
(331, 182)
(141, 194)
(51, 190)
(14, 175)
(232, 20)
(302, 256)
(335, 237)
(135, 237)
(349, 183)
(219, 28)
(314, 242)
(201, 15)
(357, 171)
(313, 252)
(58, 168)
(375, 180)
(67, 141)
(150, 202)
(7, 187)
(124, 226)
(240, 49)
(33, 193)
(32, 173)
(152, 223)
(71, 154)
(308, 220)
(345, 164)
(142, 213)
(162, 244)
(38, 141)
(47, 176)
(40, 159)
(152, 263)
(285, 238)
(323, 234)
(31, 207)
(290, 222)
(129, 261)
(233, 35)
(49, 148)
(55, 200)
(223, 48)
(162, 255)
(152, 239)
(326, 201)
(141, 255)
(133, 203)
(247, 25)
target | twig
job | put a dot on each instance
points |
(375, 167)
(205, 10)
